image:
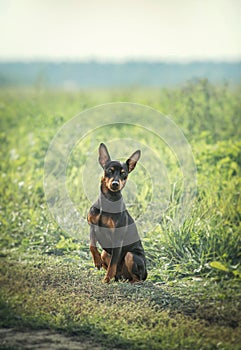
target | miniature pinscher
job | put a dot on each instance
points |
(112, 226)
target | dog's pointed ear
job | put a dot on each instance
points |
(131, 162)
(104, 156)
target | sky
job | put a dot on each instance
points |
(120, 30)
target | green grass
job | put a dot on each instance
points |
(67, 295)
(191, 299)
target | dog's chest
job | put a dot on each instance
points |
(113, 220)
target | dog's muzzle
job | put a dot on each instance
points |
(115, 185)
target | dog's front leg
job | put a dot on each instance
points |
(93, 248)
(112, 268)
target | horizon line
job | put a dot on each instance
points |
(120, 61)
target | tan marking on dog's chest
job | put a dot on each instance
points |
(108, 221)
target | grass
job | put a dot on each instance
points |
(67, 295)
(191, 299)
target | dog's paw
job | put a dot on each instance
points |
(106, 279)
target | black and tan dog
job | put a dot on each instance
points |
(112, 226)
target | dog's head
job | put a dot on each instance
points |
(115, 172)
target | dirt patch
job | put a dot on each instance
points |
(42, 340)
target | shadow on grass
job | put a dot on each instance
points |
(16, 313)
(11, 315)
(70, 299)
(86, 336)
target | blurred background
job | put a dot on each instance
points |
(75, 44)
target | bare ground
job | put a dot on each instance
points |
(13, 339)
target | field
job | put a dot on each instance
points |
(192, 296)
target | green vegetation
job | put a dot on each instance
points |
(191, 299)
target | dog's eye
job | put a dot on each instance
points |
(123, 174)
(110, 171)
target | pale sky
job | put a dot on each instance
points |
(117, 30)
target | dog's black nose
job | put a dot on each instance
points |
(115, 185)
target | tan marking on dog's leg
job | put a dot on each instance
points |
(111, 272)
(105, 257)
(129, 261)
(96, 256)
(93, 219)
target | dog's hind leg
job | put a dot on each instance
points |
(135, 267)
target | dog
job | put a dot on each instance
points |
(111, 225)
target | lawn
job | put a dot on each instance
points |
(191, 298)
